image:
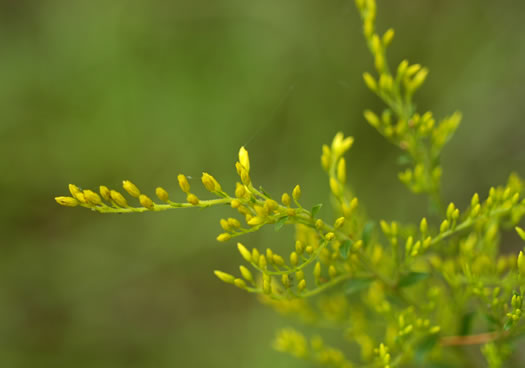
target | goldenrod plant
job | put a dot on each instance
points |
(400, 295)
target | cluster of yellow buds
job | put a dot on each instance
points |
(418, 135)
(112, 201)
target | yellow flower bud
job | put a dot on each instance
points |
(278, 260)
(521, 264)
(240, 191)
(285, 280)
(376, 44)
(67, 201)
(444, 226)
(402, 68)
(294, 259)
(192, 198)
(245, 177)
(74, 190)
(270, 205)
(131, 188)
(118, 198)
(388, 37)
(269, 255)
(412, 69)
(317, 270)
(105, 193)
(244, 159)
(385, 227)
(210, 183)
(162, 194)
(326, 157)
(183, 183)
(267, 286)
(262, 262)
(285, 199)
(146, 201)
(335, 187)
(296, 193)
(225, 225)
(234, 223)
(235, 203)
(423, 226)
(246, 273)
(224, 237)
(475, 210)
(302, 285)
(223, 276)
(339, 222)
(419, 79)
(450, 209)
(329, 236)
(240, 283)
(92, 197)
(299, 247)
(254, 221)
(332, 271)
(261, 211)
(370, 81)
(475, 200)
(81, 198)
(245, 253)
(341, 170)
(255, 255)
(520, 232)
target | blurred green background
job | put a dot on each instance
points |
(94, 92)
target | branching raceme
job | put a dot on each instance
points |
(401, 296)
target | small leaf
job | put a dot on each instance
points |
(344, 249)
(367, 232)
(316, 208)
(508, 324)
(412, 278)
(465, 326)
(355, 285)
(280, 223)
(264, 192)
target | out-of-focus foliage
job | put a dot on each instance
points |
(95, 91)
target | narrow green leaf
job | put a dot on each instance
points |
(465, 326)
(316, 208)
(280, 223)
(508, 324)
(355, 285)
(264, 192)
(412, 278)
(367, 232)
(344, 249)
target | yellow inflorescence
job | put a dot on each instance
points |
(414, 281)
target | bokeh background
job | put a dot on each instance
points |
(93, 92)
